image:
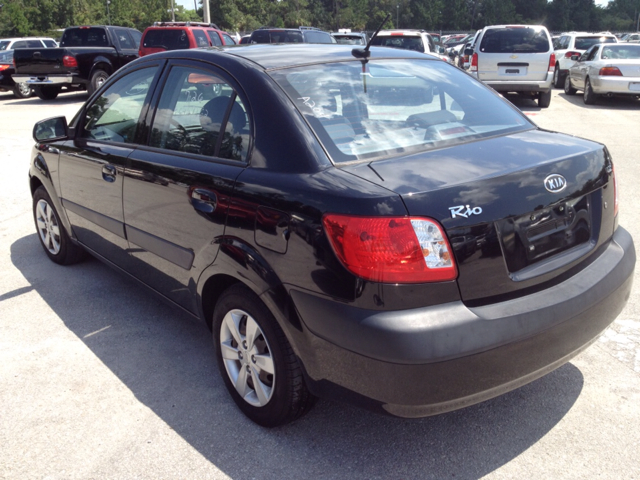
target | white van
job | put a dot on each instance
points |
(515, 58)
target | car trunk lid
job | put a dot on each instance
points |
(520, 211)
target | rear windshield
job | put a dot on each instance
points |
(515, 39)
(349, 39)
(395, 107)
(277, 36)
(400, 41)
(174, 39)
(621, 52)
(584, 43)
(84, 37)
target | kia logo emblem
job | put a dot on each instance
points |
(555, 183)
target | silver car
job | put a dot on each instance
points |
(605, 69)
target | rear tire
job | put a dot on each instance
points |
(52, 234)
(22, 90)
(256, 361)
(544, 99)
(568, 89)
(46, 93)
(97, 80)
(589, 96)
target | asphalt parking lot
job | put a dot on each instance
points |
(98, 379)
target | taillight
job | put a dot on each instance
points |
(391, 249)
(615, 190)
(4, 67)
(69, 61)
(571, 54)
(474, 63)
(552, 62)
(610, 72)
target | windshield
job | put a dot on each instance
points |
(515, 39)
(391, 107)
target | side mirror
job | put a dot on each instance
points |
(575, 57)
(468, 51)
(453, 53)
(51, 129)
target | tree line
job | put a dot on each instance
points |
(46, 17)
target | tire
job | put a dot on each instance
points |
(280, 394)
(558, 78)
(544, 99)
(46, 93)
(568, 89)
(588, 96)
(22, 90)
(98, 77)
(53, 237)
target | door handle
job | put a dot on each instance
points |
(204, 200)
(109, 173)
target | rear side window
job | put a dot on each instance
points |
(124, 40)
(21, 44)
(515, 40)
(84, 37)
(228, 40)
(400, 41)
(395, 107)
(49, 43)
(168, 39)
(583, 43)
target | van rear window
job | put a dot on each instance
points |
(515, 40)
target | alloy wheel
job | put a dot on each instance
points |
(48, 227)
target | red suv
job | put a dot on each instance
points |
(163, 36)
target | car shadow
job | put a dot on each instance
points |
(165, 358)
(619, 102)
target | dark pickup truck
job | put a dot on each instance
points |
(87, 56)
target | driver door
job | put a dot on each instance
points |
(93, 163)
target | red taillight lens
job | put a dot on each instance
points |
(391, 249)
(69, 61)
(4, 67)
(571, 54)
(474, 62)
(552, 62)
(610, 72)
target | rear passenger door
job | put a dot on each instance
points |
(178, 187)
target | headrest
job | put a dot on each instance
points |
(213, 112)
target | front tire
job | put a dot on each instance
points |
(544, 99)
(256, 361)
(589, 97)
(97, 80)
(53, 237)
(47, 93)
(22, 90)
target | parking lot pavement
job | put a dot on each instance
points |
(100, 380)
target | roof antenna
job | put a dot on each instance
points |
(364, 52)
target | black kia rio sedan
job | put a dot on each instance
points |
(382, 229)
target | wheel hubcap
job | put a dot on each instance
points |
(25, 90)
(247, 357)
(48, 227)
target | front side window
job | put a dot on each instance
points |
(214, 37)
(114, 116)
(395, 107)
(123, 39)
(200, 113)
(593, 53)
(515, 40)
(228, 40)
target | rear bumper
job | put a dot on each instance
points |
(47, 79)
(617, 85)
(427, 361)
(504, 85)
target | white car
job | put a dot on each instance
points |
(605, 69)
(27, 42)
(417, 40)
(575, 43)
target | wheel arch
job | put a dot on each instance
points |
(101, 63)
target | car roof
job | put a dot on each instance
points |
(273, 56)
